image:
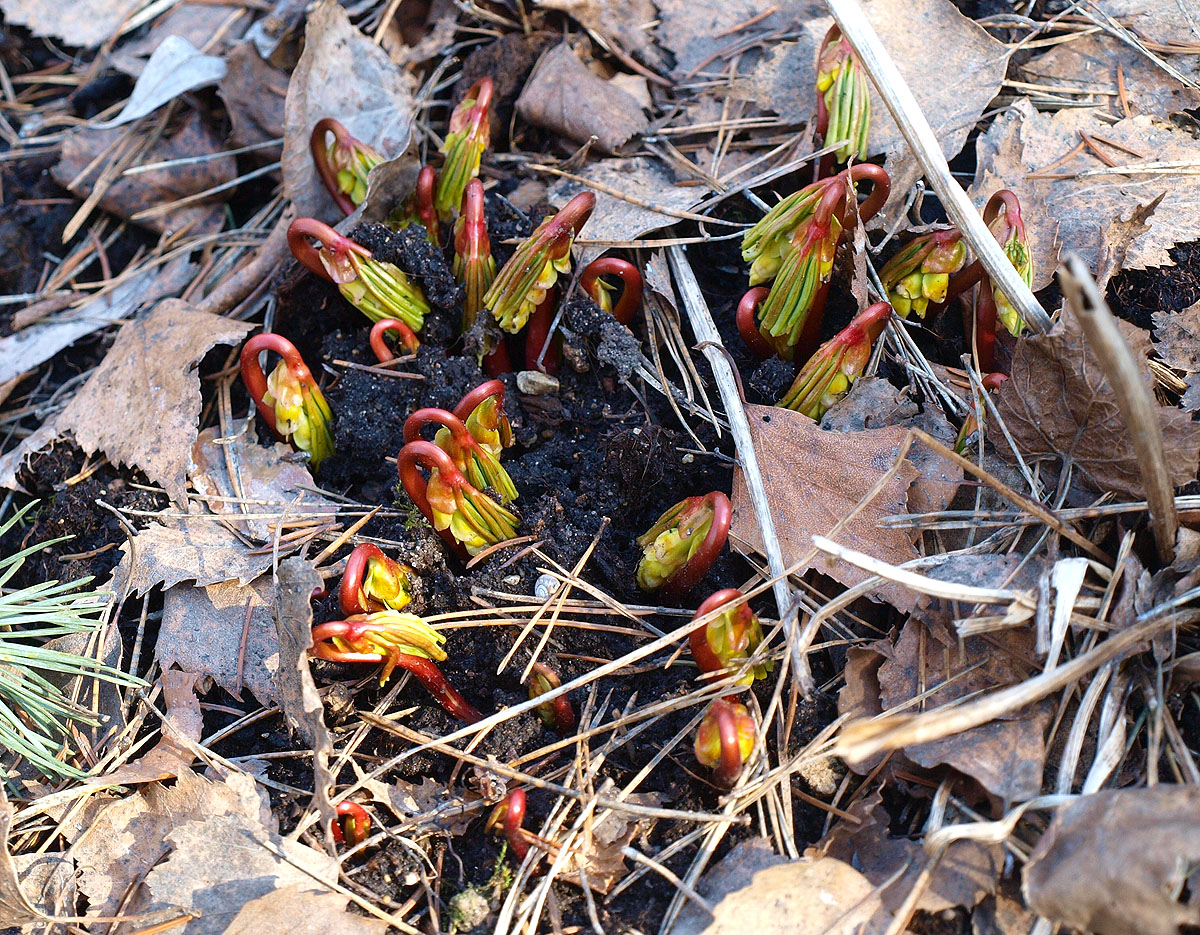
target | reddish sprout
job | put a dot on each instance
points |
(486, 402)
(974, 421)
(729, 639)
(378, 339)
(289, 400)
(533, 269)
(476, 460)
(680, 548)
(469, 135)
(343, 163)
(724, 741)
(843, 98)
(353, 824)
(556, 713)
(626, 307)
(474, 265)
(423, 205)
(538, 343)
(468, 520)
(508, 817)
(760, 345)
(832, 370)
(795, 244)
(373, 582)
(376, 288)
(919, 275)
(398, 641)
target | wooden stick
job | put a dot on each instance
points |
(912, 123)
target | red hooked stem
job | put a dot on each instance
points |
(985, 327)
(747, 323)
(427, 454)
(423, 203)
(514, 821)
(564, 714)
(702, 652)
(481, 93)
(1012, 211)
(352, 578)
(574, 215)
(352, 825)
(256, 381)
(881, 186)
(471, 401)
(422, 417)
(498, 363)
(320, 153)
(299, 234)
(727, 771)
(408, 339)
(696, 567)
(536, 333)
(424, 670)
(631, 295)
(993, 381)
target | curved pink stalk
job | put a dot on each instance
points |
(702, 652)
(431, 415)
(379, 346)
(747, 323)
(351, 596)
(470, 402)
(543, 679)
(256, 381)
(695, 568)
(631, 293)
(423, 203)
(353, 824)
(730, 766)
(537, 331)
(881, 186)
(303, 231)
(420, 453)
(320, 153)
(510, 815)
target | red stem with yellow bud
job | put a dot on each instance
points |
(352, 824)
(256, 381)
(631, 293)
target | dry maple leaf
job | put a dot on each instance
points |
(141, 406)
(1058, 402)
(1118, 863)
(1177, 340)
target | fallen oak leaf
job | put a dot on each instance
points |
(141, 406)
(1057, 402)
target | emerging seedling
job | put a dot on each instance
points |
(556, 714)
(343, 163)
(482, 409)
(469, 135)
(399, 641)
(537, 334)
(973, 423)
(475, 460)
(289, 400)
(830, 372)
(795, 243)
(508, 817)
(474, 265)
(373, 582)
(919, 275)
(591, 281)
(534, 267)
(843, 97)
(724, 643)
(353, 824)
(760, 345)
(680, 548)
(468, 520)
(376, 288)
(378, 339)
(724, 740)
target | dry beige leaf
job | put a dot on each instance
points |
(1121, 862)
(802, 897)
(1177, 340)
(1161, 21)
(648, 185)
(563, 96)
(271, 478)
(784, 81)
(142, 404)
(48, 881)
(206, 630)
(732, 872)
(1022, 141)
(814, 479)
(115, 843)
(967, 872)
(1091, 62)
(198, 23)
(300, 910)
(344, 75)
(15, 907)
(626, 21)
(170, 756)
(1058, 402)
(85, 147)
(254, 94)
(89, 23)
(429, 802)
(598, 850)
(198, 549)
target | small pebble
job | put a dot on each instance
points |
(688, 458)
(545, 586)
(536, 383)
(512, 580)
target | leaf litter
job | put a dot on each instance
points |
(990, 665)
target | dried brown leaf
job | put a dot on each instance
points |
(1058, 402)
(202, 631)
(344, 75)
(298, 909)
(48, 881)
(15, 907)
(270, 478)
(429, 801)
(1177, 341)
(967, 872)
(198, 23)
(142, 404)
(814, 479)
(170, 756)
(732, 872)
(599, 847)
(89, 23)
(626, 21)
(1121, 862)
(254, 94)
(563, 96)
(1022, 141)
(785, 79)
(85, 147)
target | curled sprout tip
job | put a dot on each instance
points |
(508, 818)
(342, 162)
(289, 400)
(627, 305)
(353, 824)
(724, 740)
(373, 582)
(680, 548)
